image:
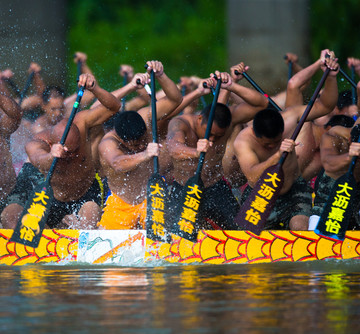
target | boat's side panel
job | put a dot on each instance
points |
(219, 247)
(54, 246)
(213, 247)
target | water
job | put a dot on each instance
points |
(311, 297)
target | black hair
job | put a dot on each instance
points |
(344, 99)
(342, 120)
(129, 125)
(222, 115)
(54, 91)
(268, 123)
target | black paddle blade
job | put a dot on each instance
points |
(186, 224)
(337, 212)
(155, 211)
(257, 207)
(29, 228)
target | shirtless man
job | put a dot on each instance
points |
(185, 143)
(338, 146)
(261, 146)
(308, 150)
(126, 155)
(77, 195)
(10, 118)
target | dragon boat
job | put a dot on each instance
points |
(132, 247)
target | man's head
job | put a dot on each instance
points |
(345, 104)
(53, 103)
(131, 129)
(221, 122)
(341, 120)
(268, 127)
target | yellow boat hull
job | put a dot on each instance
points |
(212, 247)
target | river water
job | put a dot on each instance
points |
(309, 297)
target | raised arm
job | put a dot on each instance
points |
(329, 96)
(173, 97)
(109, 103)
(11, 114)
(88, 97)
(252, 100)
(351, 61)
(193, 96)
(38, 80)
(300, 80)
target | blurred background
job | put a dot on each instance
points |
(190, 37)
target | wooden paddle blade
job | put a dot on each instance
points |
(257, 207)
(155, 211)
(30, 226)
(337, 212)
(186, 223)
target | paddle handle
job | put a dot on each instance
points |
(27, 86)
(255, 85)
(66, 131)
(209, 126)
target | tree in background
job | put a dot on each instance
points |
(336, 25)
(188, 36)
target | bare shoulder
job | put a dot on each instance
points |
(109, 138)
(145, 113)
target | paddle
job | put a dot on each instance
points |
(338, 209)
(29, 228)
(353, 90)
(156, 188)
(186, 215)
(14, 87)
(27, 86)
(346, 76)
(123, 100)
(257, 207)
(253, 83)
(290, 68)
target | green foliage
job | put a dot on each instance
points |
(188, 36)
(335, 25)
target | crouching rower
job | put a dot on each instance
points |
(77, 193)
(126, 154)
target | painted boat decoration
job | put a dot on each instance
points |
(132, 248)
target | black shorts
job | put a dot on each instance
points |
(59, 210)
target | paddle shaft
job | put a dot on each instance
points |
(123, 100)
(208, 128)
(346, 76)
(27, 86)
(255, 85)
(154, 119)
(290, 68)
(306, 112)
(66, 131)
(14, 87)
(353, 90)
